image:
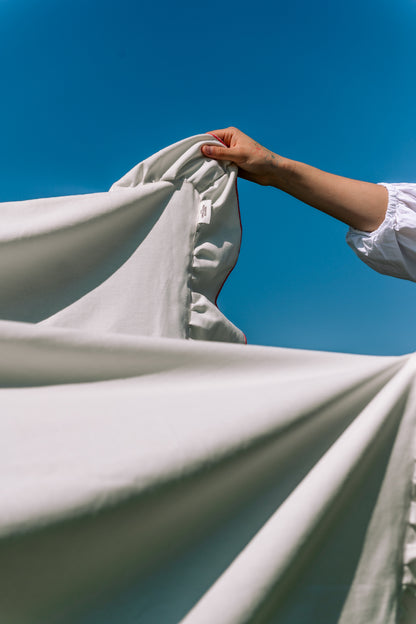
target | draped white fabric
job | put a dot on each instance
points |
(150, 479)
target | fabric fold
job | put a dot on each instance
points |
(107, 479)
(217, 235)
(265, 570)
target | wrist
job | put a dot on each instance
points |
(281, 170)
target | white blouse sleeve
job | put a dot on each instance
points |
(391, 248)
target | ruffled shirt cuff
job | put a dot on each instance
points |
(391, 248)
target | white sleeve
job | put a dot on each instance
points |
(391, 248)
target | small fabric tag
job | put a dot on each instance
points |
(204, 215)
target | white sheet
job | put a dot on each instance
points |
(147, 478)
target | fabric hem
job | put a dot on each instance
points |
(206, 321)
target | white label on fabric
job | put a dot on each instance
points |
(204, 215)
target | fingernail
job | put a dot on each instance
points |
(207, 150)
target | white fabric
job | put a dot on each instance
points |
(150, 479)
(137, 260)
(391, 248)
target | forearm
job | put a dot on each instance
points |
(361, 205)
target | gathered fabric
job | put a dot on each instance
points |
(391, 248)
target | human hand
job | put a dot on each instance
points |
(255, 162)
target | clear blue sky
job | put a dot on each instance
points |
(90, 87)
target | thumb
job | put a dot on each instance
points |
(220, 153)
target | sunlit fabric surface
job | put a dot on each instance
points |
(146, 478)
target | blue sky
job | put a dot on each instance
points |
(92, 87)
